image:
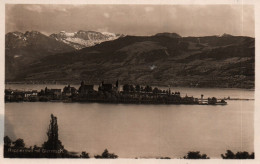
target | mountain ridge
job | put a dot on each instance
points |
(22, 49)
(210, 61)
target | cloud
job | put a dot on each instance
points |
(50, 8)
(104, 29)
(60, 9)
(35, 8)
(191, 20)
(148, 9)
(107, 15)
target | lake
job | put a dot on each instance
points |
(144, 131)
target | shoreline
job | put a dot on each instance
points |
(161, 86)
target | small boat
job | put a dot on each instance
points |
(221, 103)
(203, 103)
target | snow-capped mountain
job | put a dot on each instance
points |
(22, 49)
(82, 39)
(33, 40)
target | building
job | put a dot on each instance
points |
(32, 93)
(51, 93)
(85, 89)
(56, 92)
(108, 87)
(68, 90)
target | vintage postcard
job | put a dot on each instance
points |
(156, 81)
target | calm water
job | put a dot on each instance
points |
(140, 130)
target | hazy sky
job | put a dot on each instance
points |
(186, 20)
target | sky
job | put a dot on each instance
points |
(186, 20)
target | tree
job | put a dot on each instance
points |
(7, 141)
(155, 90)
(148, 89)
(229, 155)
(252, 156)
(53, 142)
(19, 143)
(126, 88)
(137, 88)
(35, 147)
(195, 155)
(239, 155)
(106, 154)
(131, 88)
(242, 155)
(84, 155)
(164, 158)
(214, 99)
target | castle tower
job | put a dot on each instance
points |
(82, 83)
(117, 84)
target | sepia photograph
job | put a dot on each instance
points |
(130, 81)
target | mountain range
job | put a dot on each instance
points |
(164, 59)
(82, 39)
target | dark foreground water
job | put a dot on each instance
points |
(139, 130)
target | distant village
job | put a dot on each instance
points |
(108, 93)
